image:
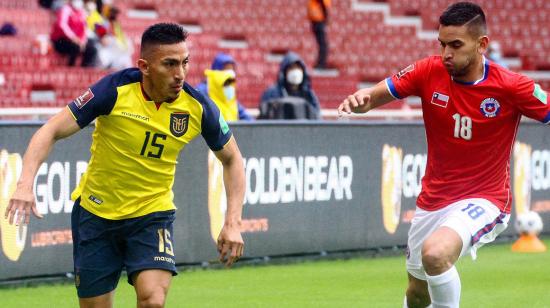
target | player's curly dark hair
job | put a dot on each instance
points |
(465, 13)
(163, 34)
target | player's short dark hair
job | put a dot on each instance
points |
(162, 34)
(465, 13)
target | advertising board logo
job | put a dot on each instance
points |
(392, 158)
(217, 202)
(401, 179)
(522, 177)
(13, 237)
(531, 178)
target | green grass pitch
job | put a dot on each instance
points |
(498, 278)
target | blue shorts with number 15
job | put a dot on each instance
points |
(103, 247)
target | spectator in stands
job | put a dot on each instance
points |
(222, 91)
(94, 20)
(116, 49)
(292, 81)
(494, 53)
(224, 62)
(317, 12)
(69, 34)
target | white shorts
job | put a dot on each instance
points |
(477, 221)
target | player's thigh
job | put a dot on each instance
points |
(150, 244)
(98, 261)
(423, 224)
(441, 250)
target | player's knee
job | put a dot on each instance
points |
(417, 297)
(153, 299)
(435, 259)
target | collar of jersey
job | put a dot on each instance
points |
(145, 96)
(485, 74)
(148, 99)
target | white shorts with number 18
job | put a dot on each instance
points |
(477, 221)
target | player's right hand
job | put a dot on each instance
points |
(356, 103)
(20, 206)
(230, 244)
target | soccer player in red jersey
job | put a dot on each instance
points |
(471, 108)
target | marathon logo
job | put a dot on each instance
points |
(83, 99)
(95, 200)
(164, 259)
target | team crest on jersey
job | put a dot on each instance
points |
(84, 98)
(404, 71)
(490, 107)
(179, 122)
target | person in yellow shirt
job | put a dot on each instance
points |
(224, 62)
(124, 212)
(222, 91)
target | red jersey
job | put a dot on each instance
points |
(470, 129)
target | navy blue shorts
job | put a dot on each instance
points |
(103, 247)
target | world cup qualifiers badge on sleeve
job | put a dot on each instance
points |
(404, 71)
(84, 98)
(490, 107)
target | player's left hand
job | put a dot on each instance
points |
(230, 244)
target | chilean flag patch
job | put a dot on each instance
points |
(440, 100)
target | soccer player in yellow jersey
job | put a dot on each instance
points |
(124, 210)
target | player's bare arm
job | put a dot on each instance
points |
(22, 202)
(366, 99)
(230, 241)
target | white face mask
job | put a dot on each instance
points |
(91, 6)
(232, 72)
(229, 92)
(295, 76)
(78, 4)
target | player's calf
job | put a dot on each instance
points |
(417, 295)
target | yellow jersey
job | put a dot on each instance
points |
(136, 143)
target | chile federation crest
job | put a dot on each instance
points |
(179, 122)
(490, 107)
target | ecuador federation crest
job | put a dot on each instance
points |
(179, 122)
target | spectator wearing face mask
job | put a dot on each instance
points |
(224, 62)
(69, 34)
(222, 91)
(292, 81)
